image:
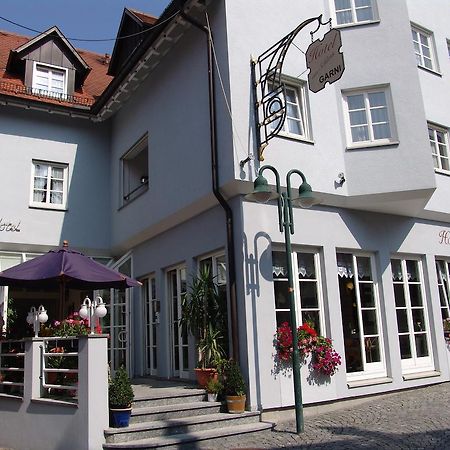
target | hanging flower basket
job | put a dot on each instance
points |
(324, 358)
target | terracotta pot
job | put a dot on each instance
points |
(204, 375)
(236, 403)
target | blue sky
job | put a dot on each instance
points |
(87, 19)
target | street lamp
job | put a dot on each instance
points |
(37, 316)
(91, 309)
(262, 193)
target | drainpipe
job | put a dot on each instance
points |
(215, 186)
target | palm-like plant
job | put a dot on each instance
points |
(202, 315)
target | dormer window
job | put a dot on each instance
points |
(49, 80)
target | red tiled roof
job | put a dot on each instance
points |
(95, 83)
(144, 17)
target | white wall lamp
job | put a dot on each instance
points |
(340, 180)
(37, 316)
(90, 309)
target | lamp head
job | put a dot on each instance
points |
(43, 316)
(100, 311)
(306, 197)
(84, 313)
(261, 191)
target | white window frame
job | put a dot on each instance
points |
(414, 364)
(297, 280)
(444, 287)
(354, 8)
(51, 68)
(419, 52)
(300, 89)
(370, 369)
(151, 313)
(47, 204)
(435, 152)
(130, 193)
(371, 142)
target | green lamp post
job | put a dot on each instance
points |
(262, 193)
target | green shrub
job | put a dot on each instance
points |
(120, 391)
(231, 378)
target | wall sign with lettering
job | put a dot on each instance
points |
(6, 225)
(325, 61)
(444, 237)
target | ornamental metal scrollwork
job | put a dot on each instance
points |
(268, 90)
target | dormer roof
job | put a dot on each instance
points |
(91, 69)
(133, 24)
(20, 53)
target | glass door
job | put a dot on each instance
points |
(360, 317)
(179, 335)
(151, 314)
(117, 322)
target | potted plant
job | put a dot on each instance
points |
(233, 386)
(203, 316)
(213, 388)
(120, 394)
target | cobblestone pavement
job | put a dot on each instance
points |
(413, 419)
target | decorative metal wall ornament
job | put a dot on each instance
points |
(268, 90)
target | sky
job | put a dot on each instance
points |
(86, 19)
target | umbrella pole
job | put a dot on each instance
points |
(62, 298)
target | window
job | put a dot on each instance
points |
(439, 147)
(296, 122)
(151, 313)
(307, 290)
(368, 117)
(412, 317)
(135, 171)
(424, 48)
(218, 269)
(49, 80)
(360, 316)
(49, 187)
(443, 277)
(354, 11)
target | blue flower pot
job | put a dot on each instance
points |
(120, 417)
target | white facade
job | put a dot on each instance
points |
(390, 212)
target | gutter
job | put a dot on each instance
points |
(215, 184)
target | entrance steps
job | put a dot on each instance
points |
(177, 416)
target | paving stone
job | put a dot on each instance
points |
(413, 419)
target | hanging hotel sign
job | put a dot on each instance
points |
(325, 61)
(5, 225)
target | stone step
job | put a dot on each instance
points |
(158, 397)
(195, 438)
(163, 412)
(180, 425)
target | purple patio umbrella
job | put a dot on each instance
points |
(65, 268)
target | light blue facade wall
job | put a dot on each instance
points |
(26, 136)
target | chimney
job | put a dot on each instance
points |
(106, 59)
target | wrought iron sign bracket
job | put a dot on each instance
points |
(268, 90)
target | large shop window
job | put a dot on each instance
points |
(364, 356)
(443, 277)
(49, 188)
(307, 290)
(412, 317)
